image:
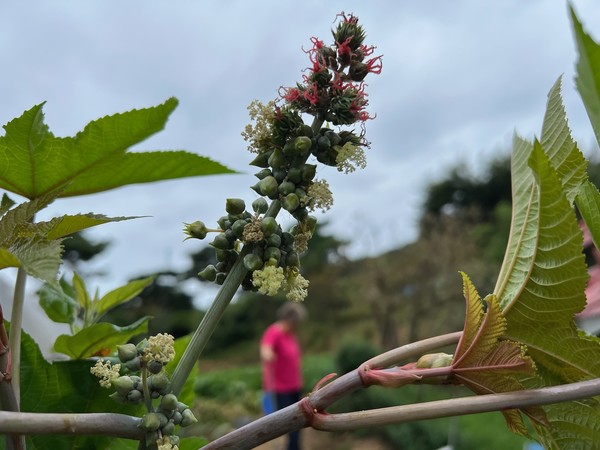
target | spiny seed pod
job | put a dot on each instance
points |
(272, 253)
(169, 402)
(150, 422)
(261, 160)
(290, 202)
(235, 205)
(260, 205)
(188, 418)
(274, 240)
(308, 172)
(286, 187)
(267, 186)
(221, 242)
(155, 367)
(209, 273)
(294, 175)
(277, 159)
(268, 226)
(126, 352)
(303, 144)
(123, 385)
(263, 173)
(195, 230)
(238, 227)
(252, 262)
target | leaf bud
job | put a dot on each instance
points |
(260, 205)
(126, 352)
(235, 206)
(434, 360)
(209, 273)
(252, 262)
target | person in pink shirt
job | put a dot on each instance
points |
(281, 358)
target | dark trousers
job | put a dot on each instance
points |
(287, 399)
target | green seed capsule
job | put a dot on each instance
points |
(221, 242)
(277, 159)
(268, 226)
(308, 172)
(235, 206)
(287, 187)
(261, 160)
(290, 202)
(303, 144)
(267, 186)
(260, 205)
(253, 262)
(209, 273)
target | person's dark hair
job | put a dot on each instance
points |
(292, 312)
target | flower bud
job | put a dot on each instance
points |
(235, 206)
(169, 402)
(261, 160)
(195, 230)
(294, 175)
(188, 418)
(267, 186)
(260, 205)
(303, 144)
(155, 367)
(168, 429)
(300, 214)
(274, 240)
(122, 385)
(209, 273)
(158, 381)
(126, 352)
(311, 222)
(263, 173)
(290, 202)
(221, 242)
(238, 227)
(272, 253)
(277, 159)
(323, 143)
(286, 187)
(220, 279)
(135, 397)
(252, 262)
(150, 422)
(118, 398)
(268, 226)
(306, 130)
(224, 222)
(176, 417)
(292, 259)
(134, 364)
(309, 171)
(434, 360)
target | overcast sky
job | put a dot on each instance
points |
(459, 78)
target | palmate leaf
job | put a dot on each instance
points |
(35, 162)
(98, 337)
(39, 257)
(486, 363)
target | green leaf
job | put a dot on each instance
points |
(59, 306)
(6, 204)
(120, 295)
(62, 226)
(565, 158)
(40, 258)
(66, 387)
(588, 202)
(36, 162)
(82, 296)
(192, 443)
(588, 73)
(97, 337)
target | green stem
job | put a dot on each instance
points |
(16, 323)
(147, 397)
(215, 312)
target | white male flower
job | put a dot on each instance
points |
(296, 286)
(319, 196)
(160, 348)
(268, 280)
(104, 370)
(349, 157)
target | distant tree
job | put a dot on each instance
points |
(78, 248)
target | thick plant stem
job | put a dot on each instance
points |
(213, 315)
(16, 322)
(219, 305)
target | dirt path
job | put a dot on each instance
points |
(316, 440)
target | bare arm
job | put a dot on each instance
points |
(266, 353)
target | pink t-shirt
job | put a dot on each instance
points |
(283, 374)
